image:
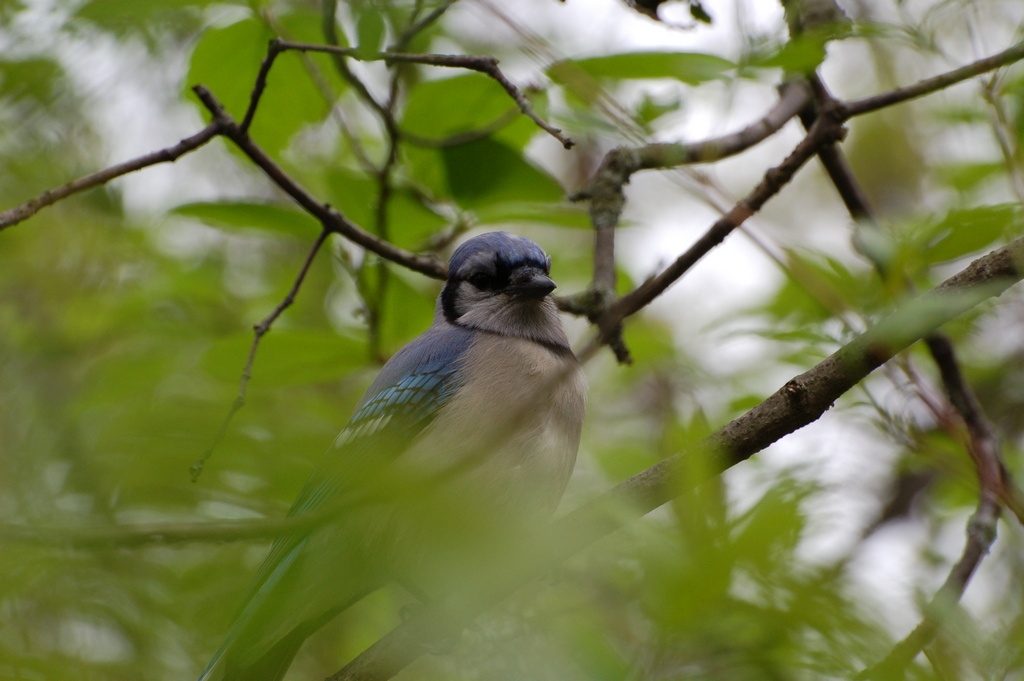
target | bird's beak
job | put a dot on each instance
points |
(531, 284)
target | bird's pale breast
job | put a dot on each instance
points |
(512, 432)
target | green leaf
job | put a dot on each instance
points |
(522, 129)
(35, 78)
(426, 169)
(408, 312)
(768, 531)
(354, 195)
(285, 357)
(965, 177)
(122, 15)
(969, 113)
(563, 215)
(967, 231)
(802, 54)
(625, 460)
(439, 109)
(370, 30)
(649, 342)
(921, 315)
(226, 60)
(409, 221)
(272, 217)
(650, 109)
(692, 68)
(485, 173)
(829, 283)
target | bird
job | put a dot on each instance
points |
(476, 421)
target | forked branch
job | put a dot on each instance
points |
(482, 64)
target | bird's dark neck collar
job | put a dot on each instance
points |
(554, 347)
(447, 302)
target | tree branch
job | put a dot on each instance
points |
(961, 397)
(929, 85)
(482, 64)
(330, 31)
(620, 163)
(983, 443)
(135, 535)
(330, 218)
(259, 330)
(981, 530)
(825, 131)
(800, 402)
(607, 198)
(413, 29)
(461, 138)
(168, 155)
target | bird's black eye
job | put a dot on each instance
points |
(481, 281)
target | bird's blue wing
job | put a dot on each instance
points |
(404, 398)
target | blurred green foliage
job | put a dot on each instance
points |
(123, 335)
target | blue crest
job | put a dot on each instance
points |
(499, 247)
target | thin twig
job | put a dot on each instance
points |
(490, 67)
(168, 155)
(372, 300)
(384, 190)
(1003, 131)
(980, 535)
(483, 64)
(329, 28)
(800, 402)
(260, 84)
(135, 535)
(983, 444)
(336, 113)
(825, 131)
(620, 163)
(329, 217)
(966, 405)
(321, 83)
(832, 158)
(927, 86)
(416, 27)
(981, 530)
(607, 200)
(461, 138)
(259, 330)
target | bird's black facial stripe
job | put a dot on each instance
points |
(492, 276)
(481, 281)
(486, 272)
(448, 295)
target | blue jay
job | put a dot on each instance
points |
(486, 406)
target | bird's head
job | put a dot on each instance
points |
(499, 282)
